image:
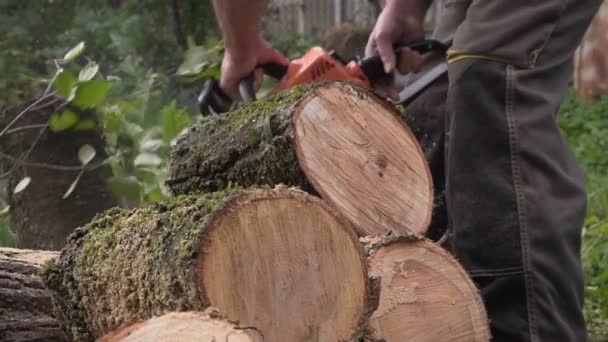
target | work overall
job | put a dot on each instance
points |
(513, 191)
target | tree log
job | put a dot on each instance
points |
(350, 145)
(184, 327)
(279, 260)
(425, 295)
(25, 305)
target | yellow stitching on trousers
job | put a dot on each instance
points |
(455, 55)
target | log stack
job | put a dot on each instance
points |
(352, 265)
(334, 139)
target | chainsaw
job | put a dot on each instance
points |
(319, 65)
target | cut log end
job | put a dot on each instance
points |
(360, 157)
(183, 327)
(277, 259)
(284, 262)
(425, 296)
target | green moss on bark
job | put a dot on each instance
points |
(131, 265)
(249, 146)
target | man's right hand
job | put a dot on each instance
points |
(241, 61)
(400, 22)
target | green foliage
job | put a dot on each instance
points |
(63, 121)
(90, 94)
(173, 121)
(585, 126)
(7, 237)
(64, 83)
(201, 62)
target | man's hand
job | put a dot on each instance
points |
(240, 62)
(400, 22)
(245, 49)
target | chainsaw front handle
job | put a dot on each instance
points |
(212, 98)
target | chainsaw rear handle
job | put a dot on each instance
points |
(213, 99)
(373, 67)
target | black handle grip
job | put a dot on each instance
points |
(246, 88)
(213, 100)
(246, 85)
(373, 67)
(276, 71)
(422, 47)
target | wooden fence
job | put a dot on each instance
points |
(314, 17)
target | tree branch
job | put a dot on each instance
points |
(177, 24)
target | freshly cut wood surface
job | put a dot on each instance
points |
(362, 158)
(346, 142)
(26, 310)
(425, 295)
(279, 260)
(184, 327)
(288, 266)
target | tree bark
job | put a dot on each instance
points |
(184, 327)
(425, 295)
(42, 219)
(25, 305)
(277, 260)
(347, 143)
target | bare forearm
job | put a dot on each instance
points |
(240, 22)
(415, 9)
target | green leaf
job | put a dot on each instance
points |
(63, 121)
(201, 62)
(74, 52)
(22, 185)
(198, 59)
(64, 82)
(173, 121)
(88, 72)
(72, 186)
(147, 159)
(86, 125)
(127, 187)
(153, 145)
(155, 195)
(113, 121)
(86, 153)
(91, 93)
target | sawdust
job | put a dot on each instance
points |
(392, 295)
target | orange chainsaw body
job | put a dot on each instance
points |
(318, 65)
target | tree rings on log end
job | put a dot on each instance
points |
(284, 262)
(183, 327)
(425, 295)
(361, 158)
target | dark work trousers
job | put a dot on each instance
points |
(514, 193)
